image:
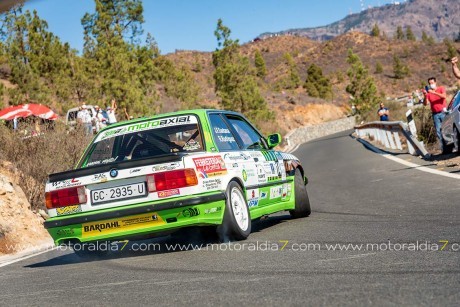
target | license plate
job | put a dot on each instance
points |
(122, 192)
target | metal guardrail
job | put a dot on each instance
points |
(389, 134)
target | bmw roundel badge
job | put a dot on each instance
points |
(113, 173)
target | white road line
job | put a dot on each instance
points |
(409, 164)
(421, 168)
(294, 149)
(27, 257)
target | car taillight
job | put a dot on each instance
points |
(171, 180)
(65, 197)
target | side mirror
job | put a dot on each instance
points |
(273, 140)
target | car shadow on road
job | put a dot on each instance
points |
(187, 239)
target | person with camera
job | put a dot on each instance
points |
(436, 96)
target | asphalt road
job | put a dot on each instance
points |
(357, 197)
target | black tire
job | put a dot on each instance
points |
(447, 148)
(302, 202)
(230, 228)
(91, 250)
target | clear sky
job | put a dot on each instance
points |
(190, 24)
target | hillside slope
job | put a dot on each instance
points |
(440, 19)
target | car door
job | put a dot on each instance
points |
(270, 186)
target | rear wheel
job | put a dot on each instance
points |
(236, 224)
(302, 202)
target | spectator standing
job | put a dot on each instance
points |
(84, 118)
(99, 119)
(436, 96)
(111, 112)
(384, 113)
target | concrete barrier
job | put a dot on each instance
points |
(307, 133)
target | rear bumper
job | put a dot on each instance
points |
(133, 220)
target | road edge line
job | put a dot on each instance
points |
(18, 257)
(406, 163)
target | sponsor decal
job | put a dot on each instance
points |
(210, 166)
(263, 195)
(253, 197)
(226, 139)
(218, 130)
(65, 232)
(245, 175)
(166, 167)
(212, 184)
(111, 133)
(190, 212)
(236, 157)
(135, 170)
(261, 176)
(113, 173)
(276, 192)
(172, 121)
(66, 183)
(68, 210)
(235, 165)
(168, 193)
(114, 226)
(212, 210)
(253, 203)
(192, 145)
(99, 178)
(105, 161)
(285, 191)
(151, 124)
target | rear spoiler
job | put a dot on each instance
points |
(102, 168)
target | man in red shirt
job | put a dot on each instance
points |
(436, 97)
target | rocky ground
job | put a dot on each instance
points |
(20, 228)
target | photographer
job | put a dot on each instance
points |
(436, 96)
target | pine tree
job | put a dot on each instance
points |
(235, 80)
(400, 70)
(362, 87)
(316, 84)
(260, 64)
(427, 39)
(399, 33)
(451, 50)
(409, 34)
(293, 79)
(375, 31)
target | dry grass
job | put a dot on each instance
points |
(35, 157)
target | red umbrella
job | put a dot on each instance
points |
(41, 111)
(14, 111)
(27, 110)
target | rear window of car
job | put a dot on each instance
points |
(146, 139)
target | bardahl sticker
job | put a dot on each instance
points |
(112, 226)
